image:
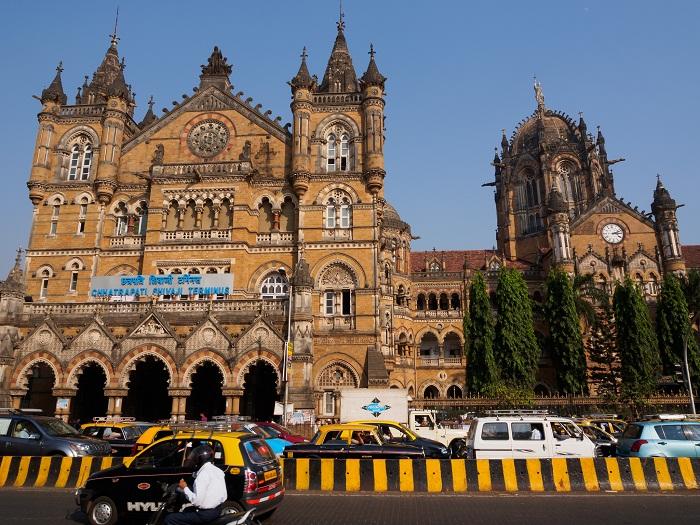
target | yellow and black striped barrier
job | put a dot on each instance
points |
(405, 475)
(50, 471)
(482, 475)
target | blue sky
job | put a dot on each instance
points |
(458, 73)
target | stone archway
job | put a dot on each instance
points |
(147, 398)
(206, 396)
(41, 380)
(260, 384)
(90, 399)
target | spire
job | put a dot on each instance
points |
(583, 129)
(105, 75)
(149, 116)
(600, 142)
(662, 198)
(119, 87)
(55, 92)
(302, 79)
(372, 76)
(14, 281)
(340, 76)
(504, 143)
(216, 72)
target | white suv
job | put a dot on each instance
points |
(526, 435)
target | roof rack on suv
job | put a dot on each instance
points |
(666, 417)
(516, 413)
(21, 411)
(113, 419)
(601, 416)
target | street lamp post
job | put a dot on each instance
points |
(285, 354)
(687, 374)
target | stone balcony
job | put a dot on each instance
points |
(438, 314)
(209, 169)
(196, 235)
(275, 238)
(126, 241)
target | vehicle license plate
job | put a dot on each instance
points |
(270, 474)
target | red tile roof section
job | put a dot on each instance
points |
(691, 254)
(454, 260)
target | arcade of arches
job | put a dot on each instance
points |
(148, 391)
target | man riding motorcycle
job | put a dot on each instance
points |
(209, 490)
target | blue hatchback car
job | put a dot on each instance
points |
(660, 438)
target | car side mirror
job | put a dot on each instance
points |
(36, 437)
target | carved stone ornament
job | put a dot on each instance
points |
(44, 337)
(337, 276)
(152, 327)
(208, 138)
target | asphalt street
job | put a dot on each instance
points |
(51, 506)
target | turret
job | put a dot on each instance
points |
(340, 76)
(302, 85)
(558, 224)
(664, 209)
(372, 83)
(110, 86)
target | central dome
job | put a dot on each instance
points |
(557, 128)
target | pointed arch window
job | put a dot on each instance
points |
(141, 221)
(55, 213)
(330, 153)
(121, 227)
(80, 161)
(344, 152)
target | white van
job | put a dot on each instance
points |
(509, 434)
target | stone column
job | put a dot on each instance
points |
(179, 402)
(115, 398)
(17, 395)
(233, 400)
(276, 212)
(64, 393)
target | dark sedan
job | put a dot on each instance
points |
(351, 441)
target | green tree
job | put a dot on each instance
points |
(691, 290)
(515, 345)
(604, 358)
(636, 342)
(673, 327)
(565, 341)
(482, 372)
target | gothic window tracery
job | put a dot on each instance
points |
(265, 216)
(338, 150)
(338, 286)
(528, 203)
(121, 227)
(338, 211)
(80, 161)
(274, 286)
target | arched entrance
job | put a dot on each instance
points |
(148, 398)
(206, 396)
(259, 391)
(40, 383)
(90, 399)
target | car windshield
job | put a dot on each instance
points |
(273, 432)
(56, 427)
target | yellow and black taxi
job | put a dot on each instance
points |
(352, 441)
(120, 432)
(151, 435)
(394, 432)
(132, 491)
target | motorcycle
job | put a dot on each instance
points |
(173, 500)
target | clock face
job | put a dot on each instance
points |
(613, 234)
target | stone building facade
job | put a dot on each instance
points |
(295, 215)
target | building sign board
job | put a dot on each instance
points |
(157, 285)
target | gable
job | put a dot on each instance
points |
(213, 99)
(260, 334)
(153, 326)
(45, 337)
(93, 337)
(585, 223)
(207, 335)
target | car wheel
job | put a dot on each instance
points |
(231, 507)
(458, 449)
(102, 511)
(58, 454)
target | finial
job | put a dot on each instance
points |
(371, 52)
(580, 114)
(304, 54)
(59, 67)
(150, 103)
(114, 36)
(122, 64)
(341, 17)
(18, 257)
